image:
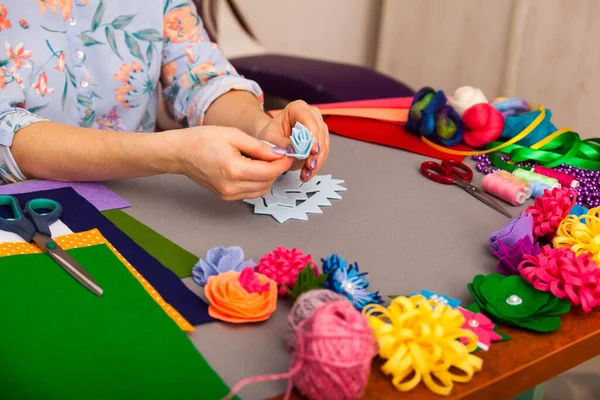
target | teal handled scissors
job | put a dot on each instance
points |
(33, 225)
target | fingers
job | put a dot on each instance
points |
(320, 149)
(256, 149)
(243, 190)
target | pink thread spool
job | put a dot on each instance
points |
(515, 179)
(504, 189)
(332, 358)
(562, 177)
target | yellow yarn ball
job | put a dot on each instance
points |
(419, 340)
(581, 234)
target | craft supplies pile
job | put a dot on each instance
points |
(120, 279)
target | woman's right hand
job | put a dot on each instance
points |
(227, 161)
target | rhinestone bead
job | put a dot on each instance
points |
(473, 323)
(514, 300)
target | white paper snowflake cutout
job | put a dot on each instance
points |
(282, 202)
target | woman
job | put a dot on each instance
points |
(77, 71)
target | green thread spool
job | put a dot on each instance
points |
(529, 176)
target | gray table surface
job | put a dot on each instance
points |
(407, 232)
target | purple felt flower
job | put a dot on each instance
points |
(219, 260)
(516, 229)
(511, 256)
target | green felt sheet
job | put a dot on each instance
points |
(168, 253)
(60, 341)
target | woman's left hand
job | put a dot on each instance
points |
(279, 130)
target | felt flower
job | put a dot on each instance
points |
(515, 230)
(580, 234)
(419, 340)
(348, 281)
(481, 326)
(181, 24)
(283, 266)
(241, 297)
(564, 274)
(439, 298)
(302, 140)
(220, 260)
(510, 300)
(511, 256)
(550, 209)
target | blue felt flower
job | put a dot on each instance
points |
(219, 260)
(440, 298)
(348, 281)
(302, 141)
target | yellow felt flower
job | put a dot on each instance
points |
(581, 234)
(419, 338)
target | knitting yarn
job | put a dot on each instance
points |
(529, 176)
(504, 189)
(515, 179)
(563, 178)
(466, 97)
(511, 106)
(304, 307)
(483, 124)
(515, 124)
(332, 355)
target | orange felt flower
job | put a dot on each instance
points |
(230, 301)
(181, 24)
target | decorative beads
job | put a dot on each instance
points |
(514, 300)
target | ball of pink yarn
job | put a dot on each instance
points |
(549, 209)
(305, 306)
(564, 274)
(334, 351)
(283, 265)
(483, 124)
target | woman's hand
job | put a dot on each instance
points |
(279, 130)
(227, 161)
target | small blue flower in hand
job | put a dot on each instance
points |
(302, 141)
(219, 260)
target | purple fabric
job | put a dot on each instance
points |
(317, 81)
(515, 230)
(96, 193)
(80, 215)
(511, 256)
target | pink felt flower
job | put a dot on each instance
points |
(283, 265)
(550, 209)
(482, 326)
(564, 274)
(249, 281)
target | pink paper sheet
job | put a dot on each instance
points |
(399, 115)
(96, 193)
(396, 102)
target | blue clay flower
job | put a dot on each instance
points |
(348, 281)
(302, 140)
(219, 260)
(440, 298)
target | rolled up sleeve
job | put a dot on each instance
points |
(194, 70)
(13, 117)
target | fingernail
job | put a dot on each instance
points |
(279, 151)
(290, 149)
(308, 173)
(313, 163)
(317, 148)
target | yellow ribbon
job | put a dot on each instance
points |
(581, 234)
(419, 340)
(534, 124)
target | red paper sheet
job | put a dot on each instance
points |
(388, 134)
(397, 102)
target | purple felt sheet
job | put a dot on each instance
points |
(96, 193)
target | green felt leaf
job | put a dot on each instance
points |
(540, 324)
(122, 21)
(110, 38)
(306, 280)
(168, 253)
(476, 296)
(474, 307)
(88, 41)
(504, 336)
(149, 35)
(562, 307)
(98, 16)
(133, 46)
(552, 302)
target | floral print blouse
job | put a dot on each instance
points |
(97, 64)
